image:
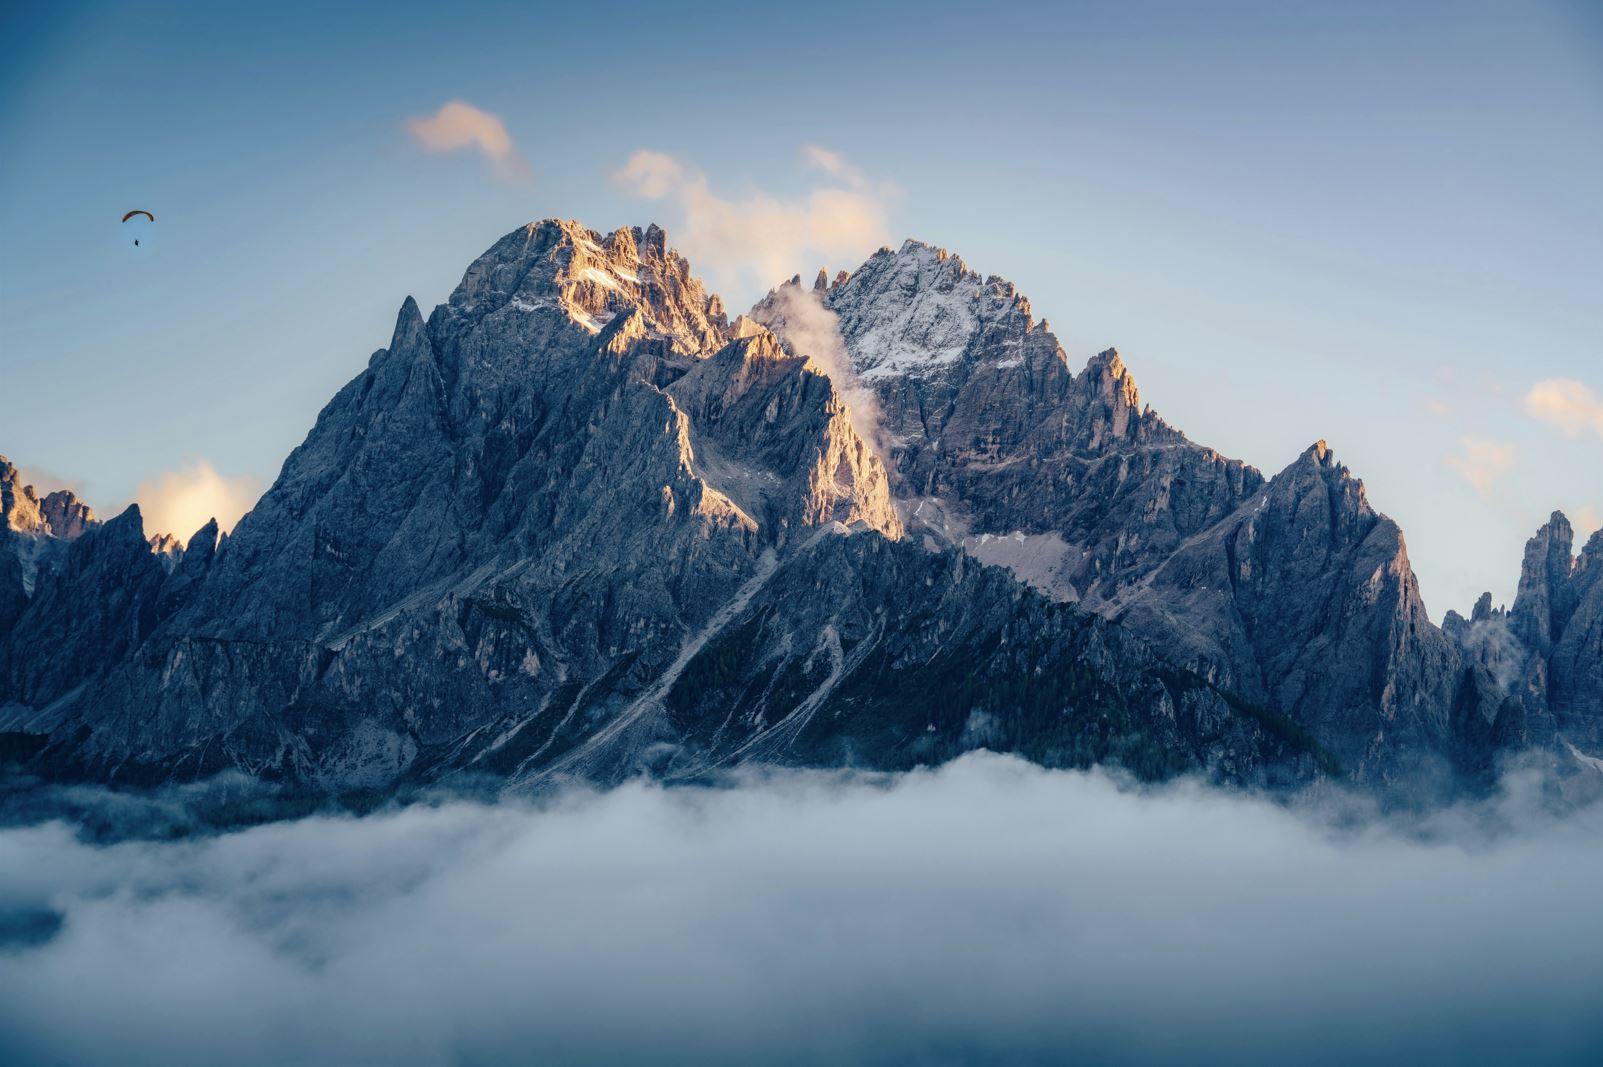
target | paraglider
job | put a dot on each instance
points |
(131, 214)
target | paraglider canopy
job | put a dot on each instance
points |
(139, 226)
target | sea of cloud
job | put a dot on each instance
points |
(985, 911)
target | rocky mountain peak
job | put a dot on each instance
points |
(66, 516)
(1106, 364)
(60, 514)
(1557, 619)
(1108, 395)
(558, 266)
(1079, 489)
(1546, 597)
(921, 312)
(1318, 462)
(1591, 557)
(19, 504)
(168, 550)
(1556, 536)
(576, 523)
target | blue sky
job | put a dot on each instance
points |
(1377, 227)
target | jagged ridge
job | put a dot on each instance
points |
(575, 523)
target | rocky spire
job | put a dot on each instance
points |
(60, 514)
(66, 516)
(1110, 401)
(19, 504)
(1576, 662)
(1558, 619)
(1546, 595)
(1483, 611)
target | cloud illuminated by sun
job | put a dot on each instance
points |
(458, 125)
(181, 502)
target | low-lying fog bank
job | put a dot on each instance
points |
(988, 910)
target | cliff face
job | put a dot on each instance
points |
(991, 430)
(576, 524)
(1557, 622)
(1292, 593)
(1304, 599)
(34, 535)
(549, 486)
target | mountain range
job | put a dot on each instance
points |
(578, 524)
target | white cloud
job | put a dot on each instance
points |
(988, 911)
(459, 125)
(799, 317)
(180, 502)
(834, 164)
(650, 175)
(1482, 463)
(752, 242)
(1567, 404)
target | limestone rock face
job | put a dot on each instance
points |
(539, 494)
(1292, 593)
(1575, 665)
(33, 538)
(861, 651)
(1304, 600)
(98, 607)
(991, 429)
(20, 511)
(60, 514)
(93, 603)
(772, 432)
(1557, 620)
(14, 587)
(65, 516)
(19, 504)
(574, 524)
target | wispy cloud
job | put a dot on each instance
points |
(799, 317)
(182, 501)
(46, 481)
(754, 241)
(1482, 463)
(458, 125)
(651, 175)
(1568, 404)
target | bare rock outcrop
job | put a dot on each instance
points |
(576, 524)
